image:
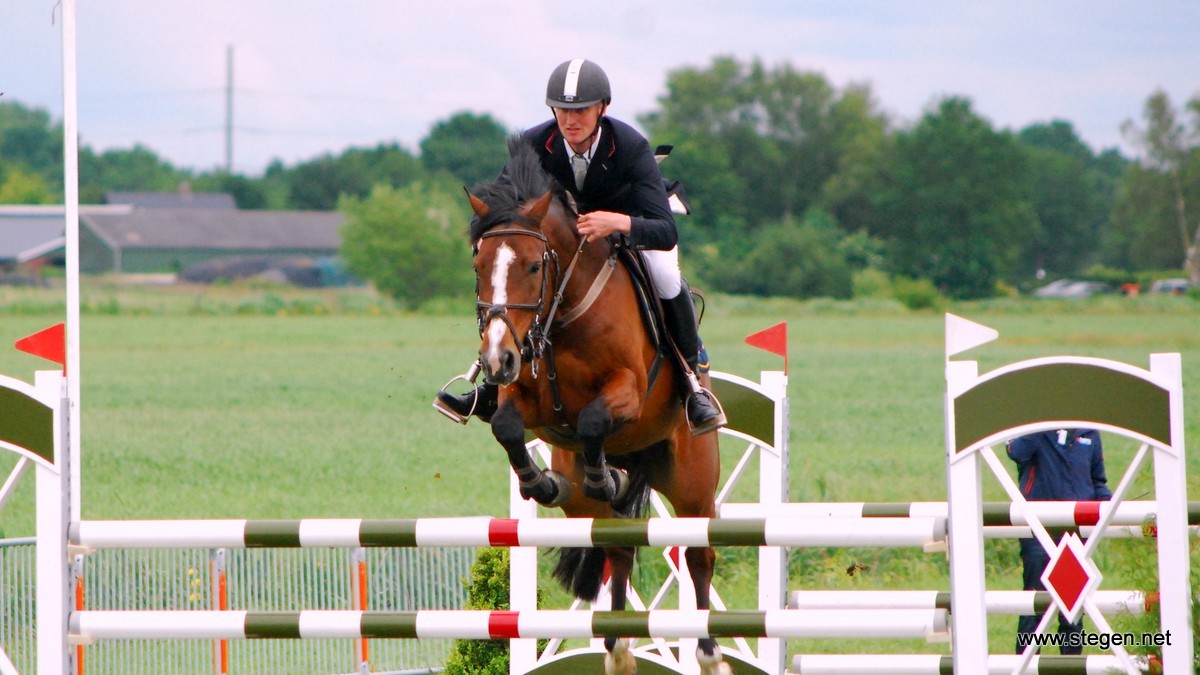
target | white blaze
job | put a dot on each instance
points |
(497, 328)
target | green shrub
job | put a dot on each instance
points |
(872, 282)
(1110, 275)
(410, 242)
(917, 293)
(488, 589)
(792, 259)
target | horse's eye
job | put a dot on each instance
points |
(535, 268)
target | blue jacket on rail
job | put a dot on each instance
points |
(1062, 465)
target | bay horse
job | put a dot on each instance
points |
(591, 381)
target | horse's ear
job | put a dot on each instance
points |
(541, 206)
(477, 204)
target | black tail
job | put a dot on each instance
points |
(581, 570)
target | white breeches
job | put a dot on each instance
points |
(663, 267)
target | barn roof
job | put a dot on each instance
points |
(182, 199)
(24, 237)
(30, 231)
(217, 229)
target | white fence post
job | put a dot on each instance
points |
(53, 500)
(1170, 488)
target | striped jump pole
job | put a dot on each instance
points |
(936, 664)
(995, 514)
(1132, 603)
(475, 532)
(500, 625)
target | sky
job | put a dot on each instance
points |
(314, 77)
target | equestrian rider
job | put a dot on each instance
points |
(609, 168)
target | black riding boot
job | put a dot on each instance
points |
(704, 413)
(480, 401)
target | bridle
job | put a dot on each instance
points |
(485, 312)
(537, 345)
(537, 340)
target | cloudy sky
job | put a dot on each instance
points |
(312, 76)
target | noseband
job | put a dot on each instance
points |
(535, 341)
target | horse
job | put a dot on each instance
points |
(591, 381)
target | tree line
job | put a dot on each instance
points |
(798, 188)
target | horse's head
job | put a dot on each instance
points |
(515, 270)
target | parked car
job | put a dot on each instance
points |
(1172, 286)
(1072, 288)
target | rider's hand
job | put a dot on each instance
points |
(600, 224)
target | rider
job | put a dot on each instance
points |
(609, 168)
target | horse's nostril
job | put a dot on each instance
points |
(510, 361)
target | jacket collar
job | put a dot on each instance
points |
(608, 140)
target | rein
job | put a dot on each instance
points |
(537, 346)
(538, 339)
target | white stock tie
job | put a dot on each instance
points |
(579, 164)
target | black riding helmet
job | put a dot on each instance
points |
(577, 83)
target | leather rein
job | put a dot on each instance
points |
(536, 345)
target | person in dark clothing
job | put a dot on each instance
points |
(1059, 465)
(609, 168)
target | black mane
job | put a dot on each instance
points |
(523, 179)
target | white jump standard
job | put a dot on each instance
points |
(974, 423)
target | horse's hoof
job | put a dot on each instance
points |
(712, 664)
(619, 659)
(621, 484)
(601, 492)
(551, 489)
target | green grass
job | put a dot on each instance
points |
(243, 402)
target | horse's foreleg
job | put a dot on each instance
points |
(619, 660)
(548, 488)
(595, 423)
(619, 402)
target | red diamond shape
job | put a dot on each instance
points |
(1071, 576)
(1068, 577)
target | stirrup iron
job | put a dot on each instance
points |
(469, 378)
(716, 423)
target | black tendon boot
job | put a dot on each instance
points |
(704, 413)
(480, 401)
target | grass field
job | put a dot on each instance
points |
(272, 403)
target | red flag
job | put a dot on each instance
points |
(50, 344)
(773, 339)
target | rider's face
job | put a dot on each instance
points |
(577, 125)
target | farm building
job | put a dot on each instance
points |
(168, 240)
(29, 234)
(154, 233)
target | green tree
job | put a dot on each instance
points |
(952, 201)
(1145, 234)
(318, 184)
(1167, 179)
(138, 169)
(1073, 199)
(803, 259)
(18, 186)
(408, 241)
(28, 138)
(248, 193)
(757, 145)
(469, 147)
